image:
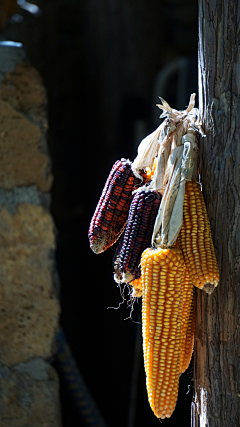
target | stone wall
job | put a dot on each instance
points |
(29, 307)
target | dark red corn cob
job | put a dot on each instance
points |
(111, 213)
(138, 233)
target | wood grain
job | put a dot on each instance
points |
(217, 346)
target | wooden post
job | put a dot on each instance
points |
(217, 346)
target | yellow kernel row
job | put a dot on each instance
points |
(188, 322)
(195, 239)
(161, 323)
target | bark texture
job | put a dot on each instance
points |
(217, 347)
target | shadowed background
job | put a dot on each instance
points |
(103, 63)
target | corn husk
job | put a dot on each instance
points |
(170, 215)
(174, 143)
(149, 146)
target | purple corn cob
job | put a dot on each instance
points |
(116, 259)
(138, 233)
(110, 216)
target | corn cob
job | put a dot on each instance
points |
(111, 213)
(195, 240)
(162, 278)
(137, 288)
(138, 232)
(135, 284)
(188, 322)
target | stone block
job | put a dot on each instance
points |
(10, 199)
(29, 308)
(23, 89)
(22, 160)
(30, 225)
(29, 395)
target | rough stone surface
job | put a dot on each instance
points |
(29, 308)
(24, 91)
(21, 159)
(10, 199)
(31, 225)
(29, 395)
(24, 156)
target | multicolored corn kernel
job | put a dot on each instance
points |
(150, 172)
(162, 280)
(188, 322)
(111, 213)
(137, 288)
(138, 232)
(195, 240)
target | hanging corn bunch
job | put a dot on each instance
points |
(164, 275)
(166, 248)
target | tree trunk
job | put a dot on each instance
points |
(217, 346)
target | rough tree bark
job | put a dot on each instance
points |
(217, 347)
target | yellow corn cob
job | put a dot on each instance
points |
(195, 240)
(188, 323)
(162, 280)
(137, 288)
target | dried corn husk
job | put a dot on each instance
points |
(176, 160)
(174, 143)
(149, 146)
(170, 215)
